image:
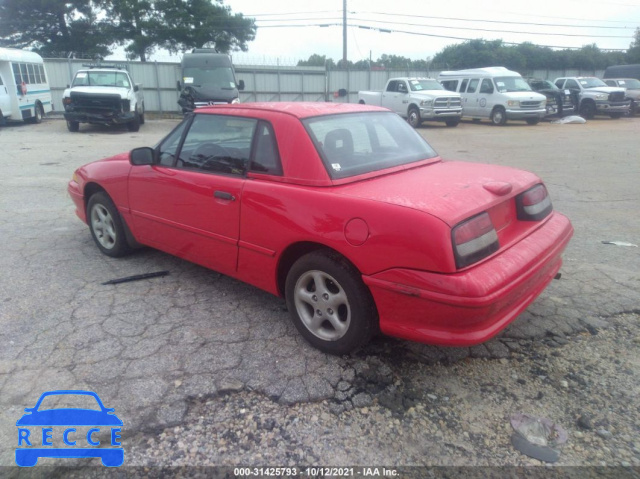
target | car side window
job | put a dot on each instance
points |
(473, 85)
(169, 147)
(610, 82)
(450, 85)
(218, 144)
(572, 84)
(392, 86)
(559, 83)
(486, 86)
(402, 87)
(266, 158)
(463, 85)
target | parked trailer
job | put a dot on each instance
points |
(24, 88)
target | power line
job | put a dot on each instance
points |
(384, 30)
(496, 21)
(455, 28)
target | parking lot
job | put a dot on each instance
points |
(205, 370)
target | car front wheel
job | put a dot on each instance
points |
(499, 116)
(414, 117)
(106, 226)
(329, 304)
(587, 110)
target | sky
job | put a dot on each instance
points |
(286, 31)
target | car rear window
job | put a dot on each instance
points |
(358, 143)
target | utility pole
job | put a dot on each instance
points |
(344, 33)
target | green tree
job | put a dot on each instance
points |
(54, 27)
(633, 53)
(203, 23)
(317, 60)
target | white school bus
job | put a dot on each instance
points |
(24, 88)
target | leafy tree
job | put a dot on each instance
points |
(633, 53)
(54, 27)
(316, 60)
(136, 24)
(203, 23)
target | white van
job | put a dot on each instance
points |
(495, 93)
(24, 89)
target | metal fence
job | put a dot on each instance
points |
(262, 83)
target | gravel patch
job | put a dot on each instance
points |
(402, 411)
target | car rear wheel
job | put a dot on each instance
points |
(106, 226)
(73, 126)
(414, 117)
(329, 304)
(142, 116)
(533, 121)
(615, 116)
(498, 116)
(452, 123)
(38, 113)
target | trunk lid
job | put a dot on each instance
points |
(451, 191)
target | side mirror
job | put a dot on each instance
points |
(142, 156)
(178, 85)
(68, 86)
(240, 85)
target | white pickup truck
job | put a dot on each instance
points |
(417, 100)
(103, 95)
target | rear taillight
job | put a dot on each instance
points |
(534, 204)
(474, 239)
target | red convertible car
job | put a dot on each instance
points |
(344, 210)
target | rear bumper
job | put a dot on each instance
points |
(470, 307)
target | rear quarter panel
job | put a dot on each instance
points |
(276, 216)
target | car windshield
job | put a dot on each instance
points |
(507, 84)
(631, 84)
(357, 143)
(97, 78)
(591, 82)
(542, 85)
(217, 77)
(65, 401)
(425, 84)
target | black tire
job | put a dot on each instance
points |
(142, 116)
(343, 299)
(106, 226)
(588, 110)
(134, 125)
(533, 121)
(38, 113)
(413, 117)
(498, 116)
(615, 116)
(452, 123)
(73, 126)
(361, 102)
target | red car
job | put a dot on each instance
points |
(342, 209)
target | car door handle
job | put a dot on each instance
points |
(223, 195)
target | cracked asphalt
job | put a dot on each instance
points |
(151, 348)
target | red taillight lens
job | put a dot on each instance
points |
(534, 204)
(474, 239)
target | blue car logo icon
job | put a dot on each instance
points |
(70, 418)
